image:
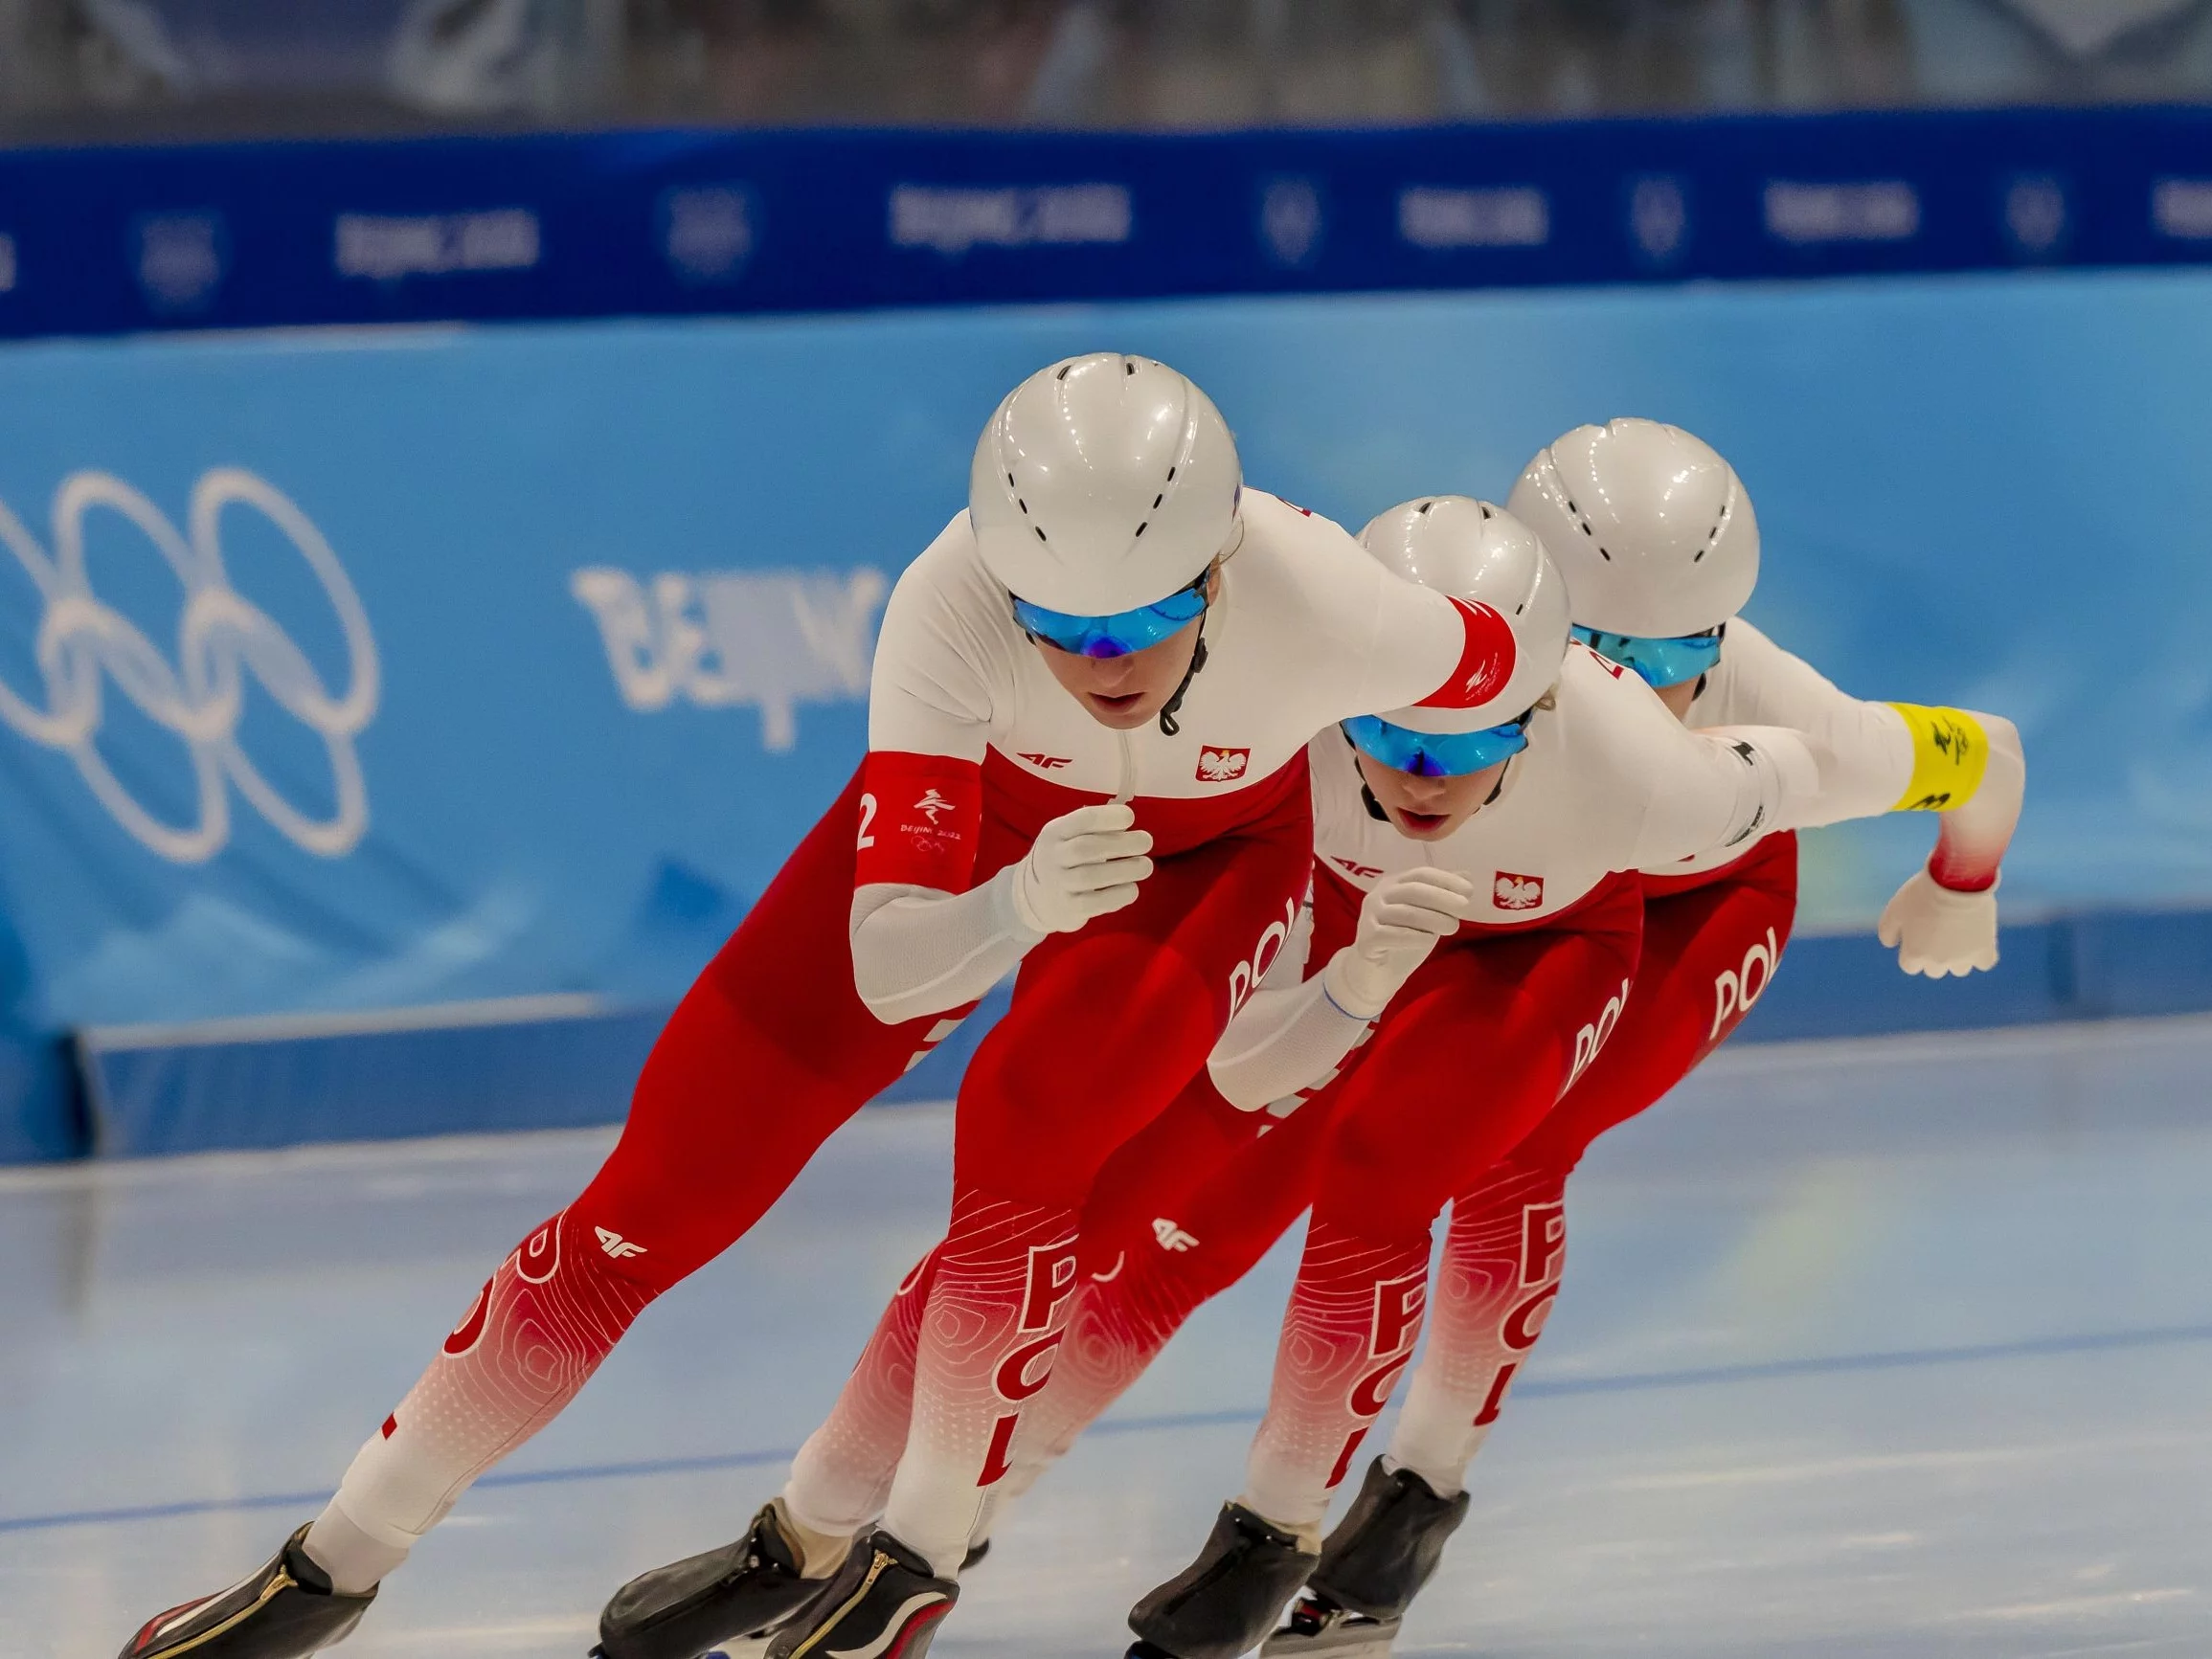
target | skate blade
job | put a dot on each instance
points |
(1339, 1639)
(746, 1648)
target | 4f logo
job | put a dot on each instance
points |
(1353, 867)
(1736, 989)
(1172, 1238)
(1047, 762)
(616, 1245)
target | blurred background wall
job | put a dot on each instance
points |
(393, 718)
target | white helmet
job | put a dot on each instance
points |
(1650, 527)
(1103, 484)
(1483, 554)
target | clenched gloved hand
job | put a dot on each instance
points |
(1083, 863)
(1400, 921)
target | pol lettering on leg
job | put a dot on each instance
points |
(1736, 989)
(1049, 1284)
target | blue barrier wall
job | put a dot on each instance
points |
(101, 241)
(372, 670)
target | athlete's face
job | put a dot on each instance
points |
(1125, 692)
(1426, 809)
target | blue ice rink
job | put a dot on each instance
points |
(1881, 1348)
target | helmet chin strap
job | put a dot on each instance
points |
(1169, 725)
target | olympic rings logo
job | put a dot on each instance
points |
(83, 643)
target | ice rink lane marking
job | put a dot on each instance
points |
(1535, 1388)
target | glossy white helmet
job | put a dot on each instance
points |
(1103, 484)
(1484, 555)
(1650, 527)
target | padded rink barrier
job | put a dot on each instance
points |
(2096, 965)
(570, 1061)
(563, 1062)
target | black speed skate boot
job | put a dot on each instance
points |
(287, 1610)
(883, 1604)
(1222, 1603)
(684, 1608)
(1372, 1566)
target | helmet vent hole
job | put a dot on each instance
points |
(1423, 509)
(1023, 505)
(1010, 481)
(1040, 529)
(1158, 499)
(1587, 530)
(1484, 506)
(1601, 553)
(1696, 557)
(1171, 475)
(1141, 529)
(1063, 374)
(1128, 366)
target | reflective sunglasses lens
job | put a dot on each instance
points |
(1432, 753)
(1658, 662)
(1114, 636)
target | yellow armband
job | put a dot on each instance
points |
(1950, 754)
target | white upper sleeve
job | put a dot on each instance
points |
(1288, 1036)
(917, 951)
(1421, 637)
(930, 691)
(1864, 749)
(1366, 641)
(1718, 789)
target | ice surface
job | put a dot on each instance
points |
(1874, 1349)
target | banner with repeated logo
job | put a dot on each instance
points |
(101, 239)
(365, 671)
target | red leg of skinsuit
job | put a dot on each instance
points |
(1138, 1284)
(1108, 1025)
(769, 1052)
(1196, 1167)
(1155, 1278)
(1708, 956)
(1471, 1055)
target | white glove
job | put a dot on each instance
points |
(1400, 921)
(1936, 931)
(1083, 863)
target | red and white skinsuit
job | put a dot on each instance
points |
(1504, 1013)
(892, 916)
(1714, 927)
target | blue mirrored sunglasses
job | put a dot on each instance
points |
(1659, 661)
(1435, 753)
(1121, 632)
